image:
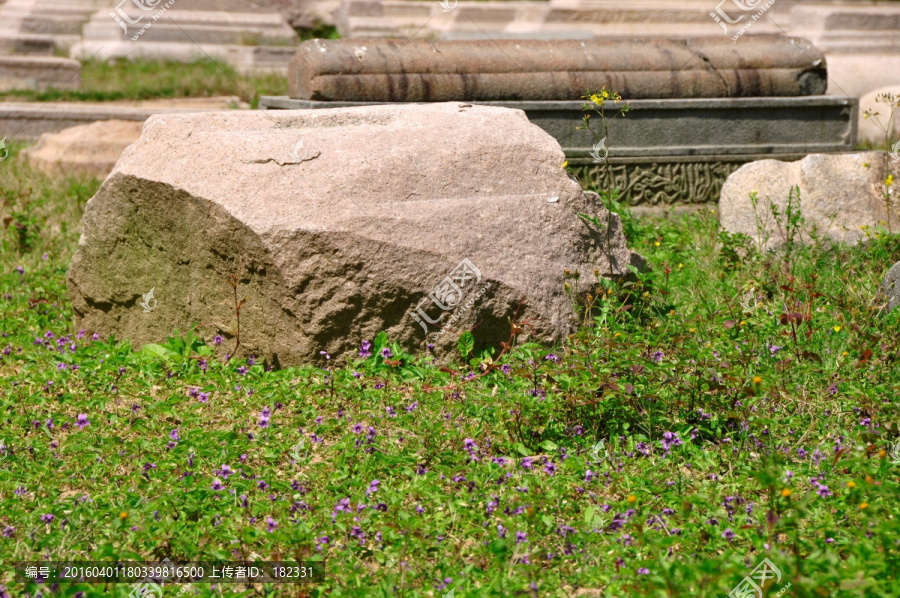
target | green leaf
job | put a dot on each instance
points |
(380, 342)
(466, 343)
(550, 446)
(520, 448)
(158, 351)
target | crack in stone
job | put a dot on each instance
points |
(716, 71)
(286, 162)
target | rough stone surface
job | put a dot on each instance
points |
(839, 194)
(345, 220)
(891, 287)
(86, 150)
(873, 129)
(484, 70)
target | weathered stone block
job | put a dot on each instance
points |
(347, 221)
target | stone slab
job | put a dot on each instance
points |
(200, 27)
(39, 72)
(359, 19)
(23, 43)
(26, 121)
(690, 129)
(250, 42)
(849, 27)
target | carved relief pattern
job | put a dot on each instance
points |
(660, 183)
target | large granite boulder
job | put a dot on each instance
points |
(839, 194)
(84, 150)
(346, 222)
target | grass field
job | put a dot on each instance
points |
(104, 81)
(728, 407)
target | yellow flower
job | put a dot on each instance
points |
(692, 330)
(844, 354)
(632, 499)
(743, 322)
(851, 484)
(786, 492)
(566, 163)
(863, 505)
(123, 515)
(869, 479)
(596, 99)
(680, 266)
(617, 334)
(656, 243)
(889, 180)
(757, 380)
(837, 328)
(882, 453)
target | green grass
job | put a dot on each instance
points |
(785, 417)
(320, 32)
(104, 81)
